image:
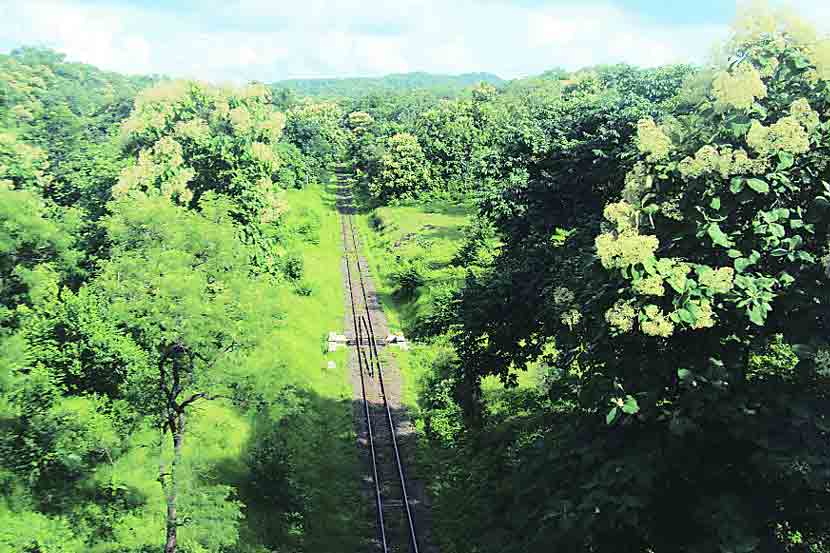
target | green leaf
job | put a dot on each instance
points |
(684, 374)
(630, 406)
(718, 236)
(779, 252)
(795, 242)
(777, 230)
(611, 416)
(786, 279)
(822, 202)
(758, 185)
(694, 310)
(785, 160)
(734, 254)
(715, 203)
(736, 185)
(742, 263)
(686, 316)
(757, 315)
(740, 129)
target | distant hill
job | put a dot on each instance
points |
(360, 86)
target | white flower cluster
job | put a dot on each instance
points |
(738, 88)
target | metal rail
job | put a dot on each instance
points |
(370, 432)
(364, 324)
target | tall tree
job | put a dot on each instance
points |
(179, 283)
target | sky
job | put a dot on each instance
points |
(267, 40)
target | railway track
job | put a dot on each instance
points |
(393, 507)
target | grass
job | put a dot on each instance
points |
(316, 429)
(428, 236)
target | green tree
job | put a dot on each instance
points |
(654, 259)
(316, 129)
(403, 171)
(191, 139)
(179, 284)
(37, 247)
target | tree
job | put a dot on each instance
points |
(37, 246)
(191, 139)
(403, 170)
(179, 284)
(362, 139)
(316, 129)
(448, 134)
(666, 264)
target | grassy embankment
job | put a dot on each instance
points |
(290, 453)
(320, 434)
(423, 239)
(314, 427)
(427, 237)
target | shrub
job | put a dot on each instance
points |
(304, 288)
(407, 277)
(293, 266)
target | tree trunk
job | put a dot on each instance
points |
(171, 489)
(469, 396)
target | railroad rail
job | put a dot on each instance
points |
(384, 436)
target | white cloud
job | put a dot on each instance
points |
(271, 39)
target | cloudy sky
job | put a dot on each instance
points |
(226, 40)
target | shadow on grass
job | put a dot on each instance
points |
(458, 208)
(305, 487)
(431, 232)
(301, 487)
(329, 196)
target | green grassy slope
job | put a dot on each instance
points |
(428, 237)
(312, 425)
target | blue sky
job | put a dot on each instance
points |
(266, 40)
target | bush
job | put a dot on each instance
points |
(407, 277)
(293, 266)
(304, 289)
(309, 226)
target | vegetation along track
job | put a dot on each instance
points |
(394, 505)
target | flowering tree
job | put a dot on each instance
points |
(723, 221)
(402, 170)
(190, 138)
(680, 310)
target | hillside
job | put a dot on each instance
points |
(360, 86)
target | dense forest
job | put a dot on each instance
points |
(614, 280)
